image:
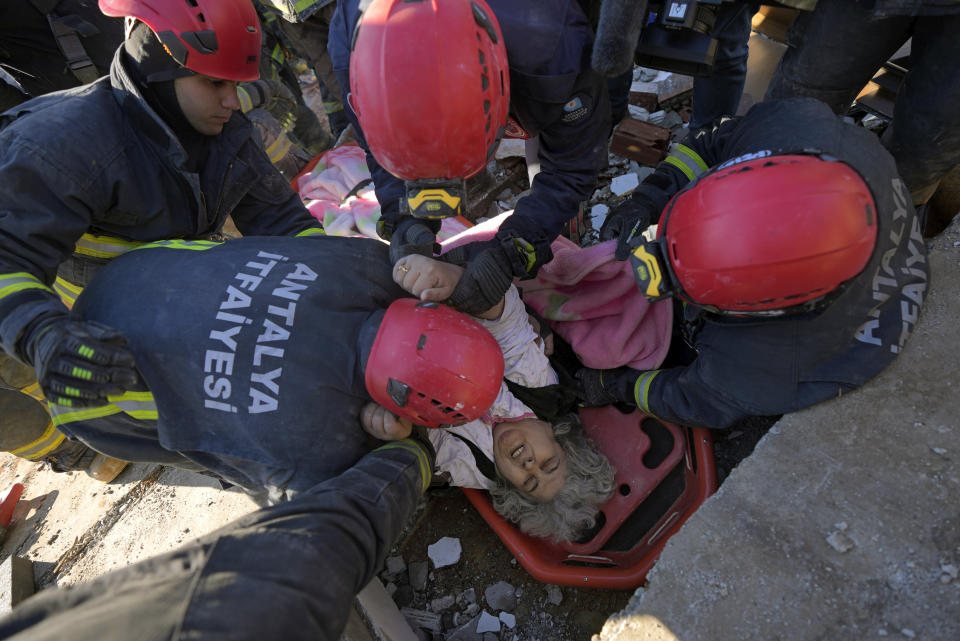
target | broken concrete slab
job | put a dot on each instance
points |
(841, 522)
(16, 582)
(444, 552)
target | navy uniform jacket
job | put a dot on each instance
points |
(95, 162)
(256, 369)
(754, 367)
(554, 93)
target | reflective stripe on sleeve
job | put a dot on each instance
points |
(313, 231)
(137, 404)
(179, 243)
(67, 291)
(104, 246)
(19, 281)
(686, 160)
(641, 389)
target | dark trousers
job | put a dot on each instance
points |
(286, 572)
(835, 50)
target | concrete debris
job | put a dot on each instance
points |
(907, 632)
(645, 74)
(490, 636)
(510, 148)
(16, 582)
(466, 632)
(644, 99)
(488, 623)
(501, 596)
(508, 619)
(624, 184)
(418, 572)
(466, 597)
(442, 603)
(391, 588)
(445, 552)
(949, 572)
(421, 619)
(472, 609)
(598, 214)
(395, 565)
(841, 542)
(638, 113)
(554, 594)
(403, 596)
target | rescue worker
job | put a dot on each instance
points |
(520, 69)
(795, 259)
(289, 572)
(153, 151)
(306, 26)
(293, 352)
(48, 45)
(835, 49)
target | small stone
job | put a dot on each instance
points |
(554, 595)
(624, 184)
(511, 148)
(442, 603)
(445, 552)
(418, 574)
(907, 632)
(403, 597)
(500, 596)
(488, 623)
(840, 542)
(466, 597)
(471, 610)
(395, 565)
(939, 450)
(638, 113)
(390, 588)
(490, 636)
(508, 619)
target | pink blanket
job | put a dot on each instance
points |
(592, 301)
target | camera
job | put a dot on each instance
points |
(676, 36)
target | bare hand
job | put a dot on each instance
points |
(426, 278)
(380, 423)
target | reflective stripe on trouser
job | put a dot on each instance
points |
(641, 390)
(139, 405)
(686, 160)
(25, 427)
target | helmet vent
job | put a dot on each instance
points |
(192, 3)
(421, 342)
(484, 22)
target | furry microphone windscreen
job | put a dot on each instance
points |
(617, 34)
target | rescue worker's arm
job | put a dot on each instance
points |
(685, 162)
(271, 207)
(677, 394)
(290, 571)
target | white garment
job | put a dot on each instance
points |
(525, 364)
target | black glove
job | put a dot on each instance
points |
(413, 236)
(598, 387)
(626, 223)
(492, 265)
(80, 363)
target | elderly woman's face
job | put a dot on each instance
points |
(529, 457)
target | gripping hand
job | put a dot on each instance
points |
(625, 223)
(80, 363)
(598, 387)
(412, 236)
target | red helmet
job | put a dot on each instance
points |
(216, 38)
(430, 85)
(762, 235)
(433, 365)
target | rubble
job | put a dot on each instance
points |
(624, 184)
(488, 623)
(641, 141)
(501, 596)
(554, 594)
(508, 619)
(418, 571)
(442, 603)
(395, 565)
(445, 552)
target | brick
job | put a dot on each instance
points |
(646, 99)
(637, 140)
(16, 582)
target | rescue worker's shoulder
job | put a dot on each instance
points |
(85, 121)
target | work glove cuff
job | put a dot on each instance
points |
(484, 282)
(413, 236)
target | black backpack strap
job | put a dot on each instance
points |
(67, 31)
(484, 464)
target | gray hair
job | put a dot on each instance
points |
(574, 508)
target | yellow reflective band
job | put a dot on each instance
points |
(104, 246)
(50, 432)
(33, 391)
(527, 249)
(426, 472)
(179, 243)
(451, 201)
(278, 53)
(67, 291)
(686, 160)
(139, 405)
(641, 390)
(63, 415)
(313, 231)
(246, 102)
(19, 281)
(332, 107)
(278, 149)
